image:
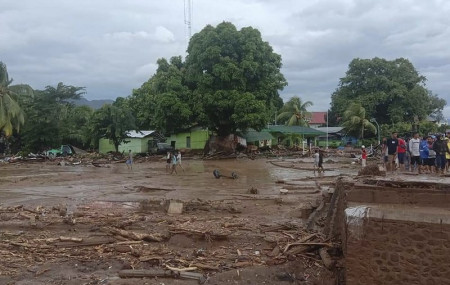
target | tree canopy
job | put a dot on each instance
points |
(294, 112)
(11, 114)
(355, 121)
(390, 91)
(234, 77)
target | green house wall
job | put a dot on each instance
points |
(198, 139)
(137, 145)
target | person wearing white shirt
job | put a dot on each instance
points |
(414, 144)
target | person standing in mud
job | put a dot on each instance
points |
(168, 161)
(363, 156)
(414, 151)
(401, 151)
(129, 161)
(423, 149)
(441, 149)
(431, 160)
(174, 163)
(447, 156)
(321, 161)
(316, 157)
(179, 160)
(392, 146)
(384, 154)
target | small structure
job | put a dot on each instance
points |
(259, 139)
(336, 137)
(195, 138)
(294, 135)
(138, 142)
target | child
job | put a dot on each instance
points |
(168, 161)
(179, 160)
(363, 156)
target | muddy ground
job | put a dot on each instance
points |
(84, 225)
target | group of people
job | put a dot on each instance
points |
(428, 154)
(173, 160)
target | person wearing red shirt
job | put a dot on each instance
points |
(401, 151)
(363, 156)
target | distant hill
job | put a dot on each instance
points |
(94, 104)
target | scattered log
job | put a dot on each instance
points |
(161, 273)
(134, 235)
(74, 239)
(192, 268)
(303, 241)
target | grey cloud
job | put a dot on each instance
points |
(111, 47)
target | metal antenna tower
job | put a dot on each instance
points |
(188, 7)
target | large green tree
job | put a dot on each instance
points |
(46, 116)
(294, 112)
(234, 77)
(355, 121)
(112, 122)
(11, 114)
(389, 90)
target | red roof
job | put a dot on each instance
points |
(318, 118)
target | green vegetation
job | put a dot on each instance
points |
(294, 112)
(390, 91)
(355, 121)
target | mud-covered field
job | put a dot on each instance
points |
(80, 224)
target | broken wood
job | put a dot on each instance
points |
(181, 269)
(134, 235)
(74, 239)
(161, 273)
(301, 242)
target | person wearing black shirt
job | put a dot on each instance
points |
(392, 145)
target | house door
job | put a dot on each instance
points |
(188, 142)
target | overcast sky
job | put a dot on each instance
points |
(111, 46)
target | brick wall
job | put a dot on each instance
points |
(397, 252)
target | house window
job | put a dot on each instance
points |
(188, 142)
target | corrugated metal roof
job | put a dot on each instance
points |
(253, 135)
(139, 134)
(331, 130)
(295, 130)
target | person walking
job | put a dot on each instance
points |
(179, 160)
(414, 152)
(392, 146)
(441, 149)
(316, 160)
(363, 156)
(129, 161)
(321, 161)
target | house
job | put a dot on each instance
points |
(137, 142)
(317, 119)
(293, 135)
(195, 138)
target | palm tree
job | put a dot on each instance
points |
(294, 112)
(11, 115)
(355, 122)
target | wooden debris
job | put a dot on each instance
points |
(161, 273)
(134, 235)
(74, 239)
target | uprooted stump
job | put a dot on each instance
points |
(372, 170)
